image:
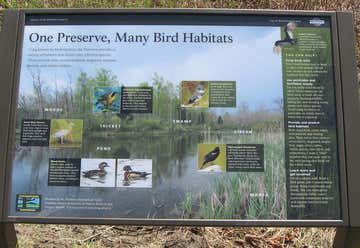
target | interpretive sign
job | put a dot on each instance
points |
(222, 117)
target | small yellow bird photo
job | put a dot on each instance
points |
(107, 99)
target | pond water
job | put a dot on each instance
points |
(174, 173)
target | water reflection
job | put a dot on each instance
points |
(174, 164)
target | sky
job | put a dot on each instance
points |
(249, 60)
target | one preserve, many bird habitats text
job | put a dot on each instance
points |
(125, 37)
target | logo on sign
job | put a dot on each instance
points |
(317, 22)
(28, 203)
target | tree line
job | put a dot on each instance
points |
(47, 101)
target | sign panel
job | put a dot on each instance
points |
(176, 117)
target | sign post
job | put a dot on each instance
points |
(8, 35)
(349, 236)
(8, 235)
(180, 117)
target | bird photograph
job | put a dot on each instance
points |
(106, 99)
(194, 94)
(97, 172)
(211, 157)
(66, 133)
(134, 173)
(289, 39)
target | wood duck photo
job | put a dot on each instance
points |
(97, 173)
(135, 173)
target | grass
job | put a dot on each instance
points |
(234, 196)
(187, 205)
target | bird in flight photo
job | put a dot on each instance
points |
(289, 38)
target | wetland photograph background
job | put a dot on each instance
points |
(169, 136)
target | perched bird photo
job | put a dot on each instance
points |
(97, 173)
(195, 94)
(106, 99)
(211, 156)
(289, 38)
(198, 94)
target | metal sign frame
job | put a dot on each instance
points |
(347, 109)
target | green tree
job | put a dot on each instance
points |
(104, 77)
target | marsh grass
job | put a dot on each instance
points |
(187, 205)
(249, 195)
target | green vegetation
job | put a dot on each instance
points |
(77, 101)
(248, 195)
(187, 205)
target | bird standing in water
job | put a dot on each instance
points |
(211, 156)
(198, 94)
(64, 135)
(289, 38)
(95, 174)
(107, 100)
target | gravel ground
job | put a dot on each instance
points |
(170, 237)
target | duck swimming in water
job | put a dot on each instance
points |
(289, 38)
(94, 174)
(129, 174)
